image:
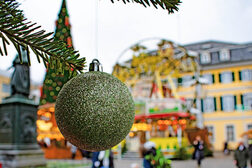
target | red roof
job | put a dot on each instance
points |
(163, 115)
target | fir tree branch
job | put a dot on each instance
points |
(15, 28)
(169, 5)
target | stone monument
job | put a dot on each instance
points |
(18, 115)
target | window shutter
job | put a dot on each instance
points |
(235, 103)
(180, 80)
(221, 101)
(242, 100)
(220, 77)
(213, 79)
(233, 77)
(240, 75)
(202, 105)
(215, 105)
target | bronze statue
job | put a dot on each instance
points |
(20, 80)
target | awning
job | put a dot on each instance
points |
(163, 115)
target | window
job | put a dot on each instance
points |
(205, 58)
(211, 131)
(208, 104)
(228, 103)
(249, 126)
(230, 133)
(224, 55)
(189, 103)
(186, 80)
(246, 75)
(175, 82)
(226, 77)
(247, 101)
(179, 81)
(209, 78)
(5, 88)
(199, 105)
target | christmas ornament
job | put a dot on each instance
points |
(94, 110)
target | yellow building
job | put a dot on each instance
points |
(226, 101)
(4, 84)
(225, 98)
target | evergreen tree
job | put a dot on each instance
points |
(54, 82)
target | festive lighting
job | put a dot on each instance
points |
(131, 134)
(43, 125)
(182, 122)
(141, 127)
(175, 122)
(52, 109)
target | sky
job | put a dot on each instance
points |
(103, 30)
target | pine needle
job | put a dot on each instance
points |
(15, 27)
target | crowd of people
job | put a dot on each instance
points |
(152, 156)
(241, 154)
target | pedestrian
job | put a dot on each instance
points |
(226, 150)
(148, 152)
(198, 154)
(250, 149)
(73, 151)
(86, 154)
(241, 156)
(103, 159)
(47, 142)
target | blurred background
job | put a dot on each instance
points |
(190, 73)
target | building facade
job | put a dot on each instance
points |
(4, 84)
(226, 99)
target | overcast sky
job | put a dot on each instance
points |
(120, 26)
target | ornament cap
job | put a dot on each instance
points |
(95, 65)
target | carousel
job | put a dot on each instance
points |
(162, 116)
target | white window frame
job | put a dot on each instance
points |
(205, 104)
(224, 55)
(249, 75)
(226, 73)
(226, 106)
(246, 98)
(205, 57)
(186, 79)
(189, 103)
(234, 133)
(209, 77)
(248, 125)
(213, 133)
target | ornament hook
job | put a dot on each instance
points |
(95, 65)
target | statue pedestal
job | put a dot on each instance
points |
(18, 144)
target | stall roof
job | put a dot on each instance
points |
(164, 115)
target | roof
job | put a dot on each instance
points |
(203, 45)
(163, 115)
(239, 52)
